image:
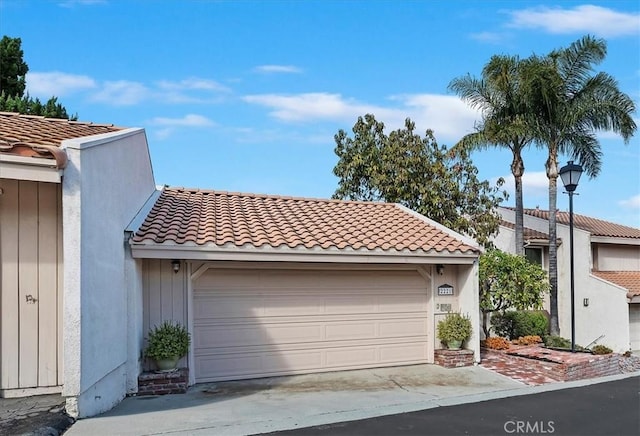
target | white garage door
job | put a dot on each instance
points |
(255, 323)
(634, 326)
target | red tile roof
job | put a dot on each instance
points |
(35, 136)
(596, 227)
(630, 280)
(528, 233)
(202, 217)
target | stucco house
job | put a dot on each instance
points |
(606, 268)
(266, 285)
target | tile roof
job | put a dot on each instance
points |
(630, 280)
(224, 219)
(596, 227)
(528, 233)
(35, 136)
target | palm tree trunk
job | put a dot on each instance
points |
(517, 169)
(552, 175)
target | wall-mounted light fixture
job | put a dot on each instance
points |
(585, 302)
(175, 264)
(440, 269)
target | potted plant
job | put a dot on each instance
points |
(167, 344)
(454, 330)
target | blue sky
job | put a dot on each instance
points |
(247, 95)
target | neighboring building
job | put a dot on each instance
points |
(70, 289)
(93, 256)
(606, 269)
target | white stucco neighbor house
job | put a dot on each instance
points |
(94, 255)
(606, 268)
(71, 318)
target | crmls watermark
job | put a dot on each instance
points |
(529, 427)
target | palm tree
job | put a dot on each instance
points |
(570, 104)
(499, 95)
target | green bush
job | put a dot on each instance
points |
(167, 341)
(601, 349)
(560, 342)
(514, 324)
(455, 327)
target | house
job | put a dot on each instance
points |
(606, 270)
(266, 285)
(70, 289)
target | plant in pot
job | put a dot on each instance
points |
(167, 344)
(454, 330)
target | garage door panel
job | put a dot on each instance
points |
(634, 326)
(290, 322)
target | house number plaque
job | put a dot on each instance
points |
(445, 290)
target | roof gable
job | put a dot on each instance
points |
(211, 218)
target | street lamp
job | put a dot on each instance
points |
(570, 175)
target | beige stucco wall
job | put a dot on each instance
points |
(609, 257)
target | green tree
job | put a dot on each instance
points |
(500, 96)
(509, 281)
(570, 104)
(415, 171)
(13, 69)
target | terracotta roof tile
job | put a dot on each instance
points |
(28, 135)
(630, 280)
(222, 219)
(596, 227)
(528, 233)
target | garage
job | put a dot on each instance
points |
(634, 326)
(270, 285)
(257, 323)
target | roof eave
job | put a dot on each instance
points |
(615, 240)
(30, 168)
(270, 254)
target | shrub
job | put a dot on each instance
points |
(167, 341)
(455, 327)
(516, 323)
(601, 349)
(496, 343)
(528, 340)
(559, 342)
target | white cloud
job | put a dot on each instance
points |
(193, 83)
(57, 83)
(631, 203)
(598, 20)
(189, 120)
(448, 116)
(287, 69)
(72, 3)
(534, 183)
(490, 37)
(122, 93)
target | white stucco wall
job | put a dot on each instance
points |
(607, 313)
(469, 302)
(107, 180)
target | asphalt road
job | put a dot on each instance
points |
(611, 408)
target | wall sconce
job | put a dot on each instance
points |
(440, 269)
(585, 302)
(175, 264)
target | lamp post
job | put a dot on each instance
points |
(570, 175)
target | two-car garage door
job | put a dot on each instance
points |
(254, 323)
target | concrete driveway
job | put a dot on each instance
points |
(263, 405)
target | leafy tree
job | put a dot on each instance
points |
(405, 168)
(500, 96)
(13, 68)
(509, 281)
(570, 104)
